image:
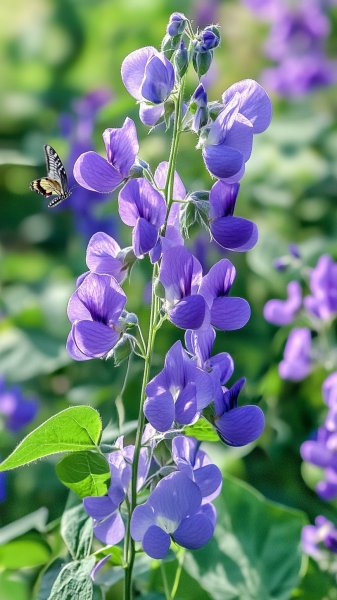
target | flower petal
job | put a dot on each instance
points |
(283, 312)
(93, 338)
(222, 161)
(133, 69)
(240, 136)
(111, 531)
(241, 425)
(94, 173)
(142, 518)
(102, 296)
(149, 114)
(180, 273)
(160, 175)
(159, 411)
(144, 237)
(122, 146)
(158, 79)
(156, 542)
(209, 481)
(200, 343)
(255, 104)
(98, 507)
(229, 314)
(186, 404)
(138, 198)
(218, 281)
(175, 497)
(189, 313)
(102, 254)
(234, 233)
(222, 199)
(72, 349)
(194, 532)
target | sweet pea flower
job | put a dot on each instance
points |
(195, 463)
(320, 539)
(94, 311)
(178, 393)
(15, 409)
(283, 312)
(233, 233)
(297, 360)
(226, 313)
(149, 77)
(98, 174)
(143, 208)
(237, 425)
(173, 510)
(247, 111)
(323, 285)
(105, 257)
(181, 275)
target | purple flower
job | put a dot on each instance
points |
(196, 464)
(149, 77)
(296, 76)
(96, 173)
(237, 425)
(105, 257)
(232, 233)
(322, 452)
(143, 208)
(323, 285)
(320, 538)
(16, 410)
(178, 393)
(225, 313)
(181, 275)
(283, 312)
(297, 360)
(176, 24)
(247, 111)
(108, 523)
(209, 39)
(173, 510)
(199, 105)
(94, 311)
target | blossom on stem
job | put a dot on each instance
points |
(320, 540)
(297, 359)
(143, 208)
(178, 393)
(173, 510)
(105, 257)
(94, 311)
(283, 312)
(96, 173)
(323, 286)
(233, 233)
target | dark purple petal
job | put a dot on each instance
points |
(111, 531)
(229, 314)
(200, 343)
(102, 296)
(223, 364)
(255, 104)
(186, 404)
(189, 313)
(175, 497)
(122, 146)
(159, 411)
(218, 281)
(194, 532)
(222, 161)
(93, 338)
(180, 273)
(98, 507)
(72, 349)
(222, 199)
(102, 254)
(230, 397)
(175, 366)
(94, 173)
(158, 79)
(144, 237)
(133, 70)
(142, 518)
(234, 233)
(241, 425)
(209, 481)
(156, 542)
(139, 199)
(149, 114)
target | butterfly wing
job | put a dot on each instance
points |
(55, 168)
(46, 187)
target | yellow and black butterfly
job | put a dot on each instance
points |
(56, 182)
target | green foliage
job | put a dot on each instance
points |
(29, 550)
(202, 430)
(76, 529)
(48, 578)
(86, 473)
(255, 552)
(74, 581)
(71, 430)
(36, 520)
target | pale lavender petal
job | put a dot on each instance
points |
(205, 388)
(283, 312)
(255, 104)
(224, 122)
(186, 404)
(159, 411)
(318, 454)
(222, 161)
(142, 518)
(150, 114)
(200, 343)
(156, 542)
(234, 233)
(175, 497)
(160, 175)
(144, 237)
(230, 313)
(133, 70)
(99, 565)
(176, 362)
(76, 309)
(111, 531)
(94, 173)
(240, 136)
(103, 297)
(72, 349)
(180, 273)
(98, 507)
(122, 146)
(184, 449)
(241, 425)
(194, 532)
(189, 313)
(138, 198)
(102, 254)
(222, 199)
(93, 338)
(158, 79)
(218, 281)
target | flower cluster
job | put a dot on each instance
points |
(320, 542)
(177, 495)
(318, 308)
(297, 45)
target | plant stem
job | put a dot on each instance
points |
(178, 574)
(153, 328)
(165, 582)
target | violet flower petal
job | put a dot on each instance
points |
(93, 172)
(133, 69)
(229, 314)
(234, 233)
(160, 411)
(122, 146)
(241, 426)
(156, 542)
(93, 338)
(222, 161)
(194, 531)
(255, 104)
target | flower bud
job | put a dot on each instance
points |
(123, 349)
(159, 289)
(195, 210)
(209, 39)
(181, 59)
(199, 109)
(176, 24)
(202, 61)
(169, 45)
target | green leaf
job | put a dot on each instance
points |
(48, 577)
(255, 551)
(202, 430)
(316, 584)
(85, 473)
(71, 430)
(76, 529)
(35, 520)
(116, 555)
(26, 552)
(74, 581)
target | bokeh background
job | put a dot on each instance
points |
(61, 85)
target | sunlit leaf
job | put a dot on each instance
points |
(86, 473)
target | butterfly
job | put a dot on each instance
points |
(56, 182)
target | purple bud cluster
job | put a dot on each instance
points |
(320, 542)
(177, 496)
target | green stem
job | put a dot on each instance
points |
(178, 574)
(165, 582)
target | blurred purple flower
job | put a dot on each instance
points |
(323, 286)
(94, 311)
(3, 490)
(297, 358)
(174, 510)
(266, 9)
(96, 173)
(319, 539)
(206, 12)
(16, 410)
(143, 208)
(297, 76)
(233, 233)
(283, 312)
(178, 393)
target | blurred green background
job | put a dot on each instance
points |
(54, 53)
